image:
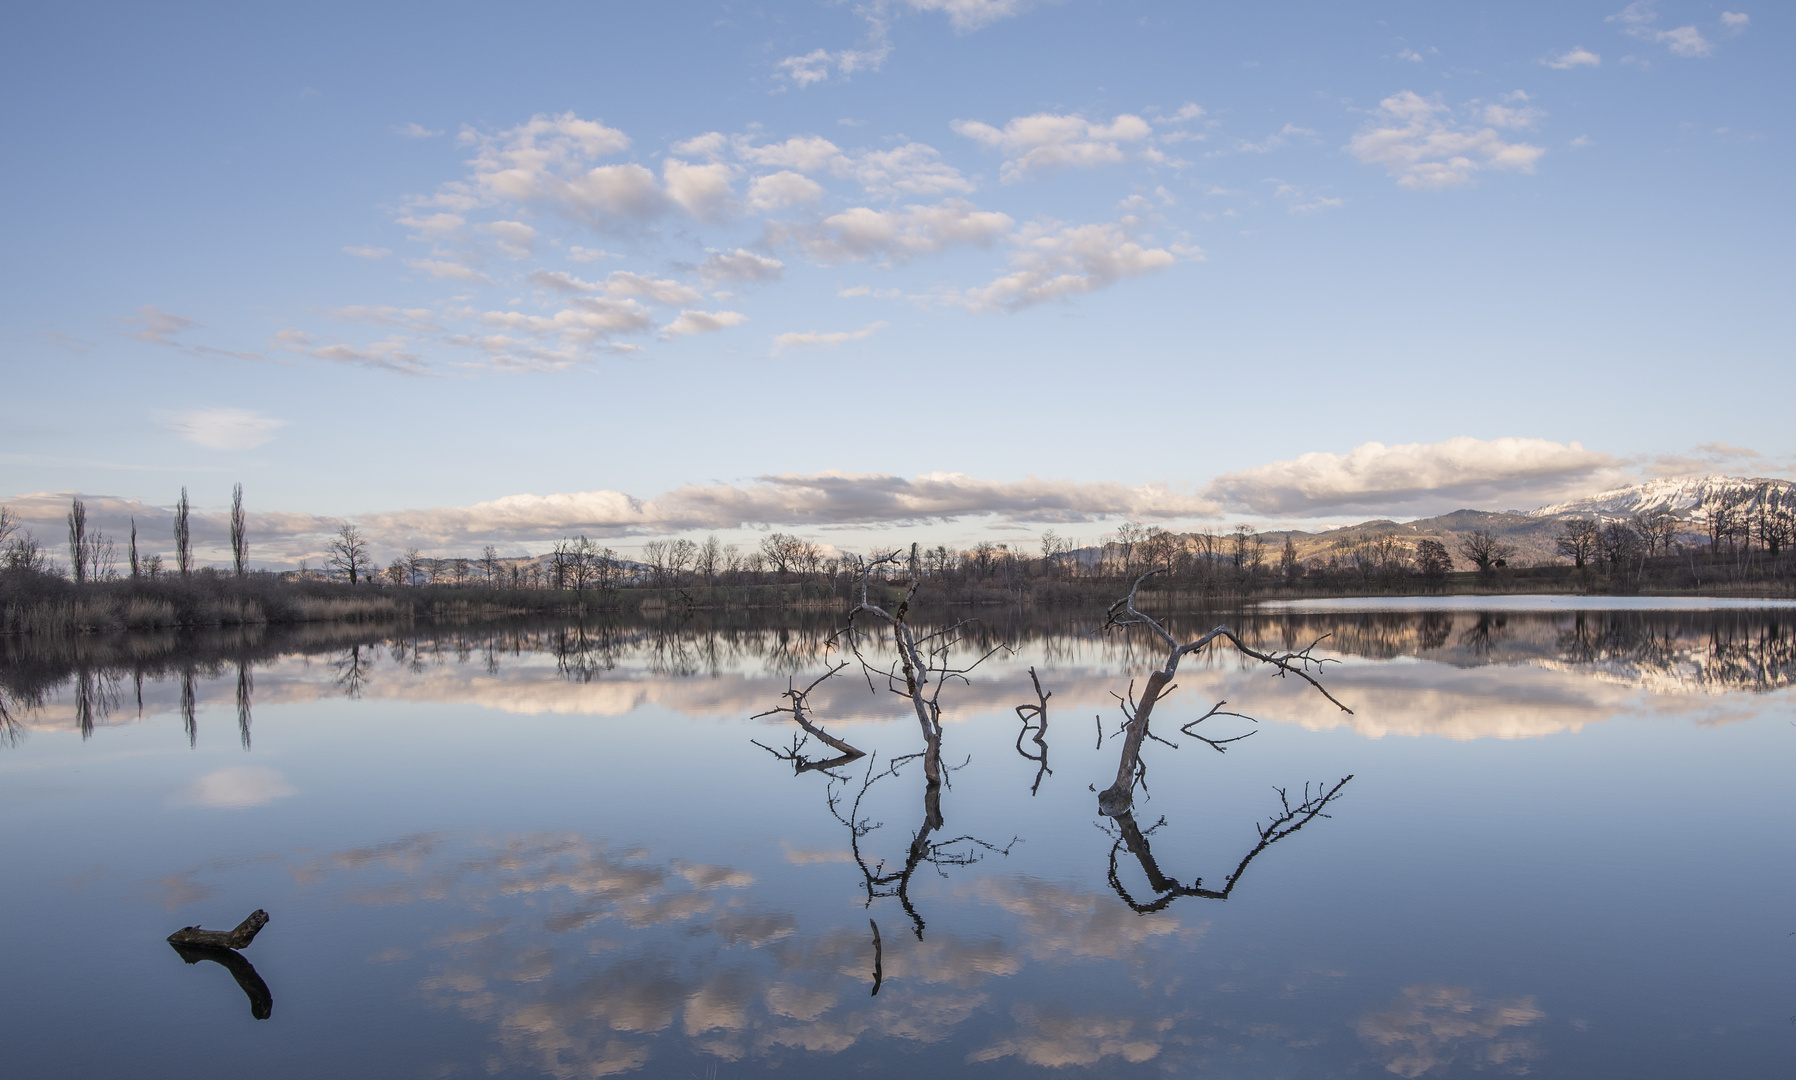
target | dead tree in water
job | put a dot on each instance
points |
(1035, 719)
(799, 710)
(919, 660)
(1118, 798)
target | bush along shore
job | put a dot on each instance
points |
(42, 602)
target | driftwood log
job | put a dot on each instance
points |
(194, 937)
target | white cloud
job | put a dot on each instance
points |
(438, 224)
(1637, 21)
(782, 189)
(515, 238)
(702, 322)
(965, 15)
(588, 320)
(164, 328)
(812, 339)
(381, 315)
(235, 789)
(1298, 200)
(585, 254)
(1055, 264)
(618, 284)
(1420, 142)
(912, 168)
(414, 131)
(1278, 140)
(160, 327)
(1049, 141)
(1577, 56)
(740, 265)
(896, 235)
(1429, 476)
(441, 268)
(364, 252)
(824, 498)
(225, 429)
(817, 65)
(653, 289)
(701, 190)
(394, 354)
(549, 161)
(1734, 20)
(1512, 112)
(709, 146)
(805, 153)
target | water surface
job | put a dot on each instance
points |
(571, 851)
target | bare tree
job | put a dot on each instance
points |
(1776, 518)
(136, 567)
(1658, 528)
(787, 553)
(680, 554)
(349, 553)
(78, 543)
(414, 566)
(183, 537)
(1118, 798)
(1432, 561)
(1482, 549)
(489, 563)
(710, 559)
(1620, 545)
(239, 532)
(1578, 540)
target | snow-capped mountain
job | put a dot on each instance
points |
(1679, 495)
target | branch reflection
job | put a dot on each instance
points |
(1128, 834)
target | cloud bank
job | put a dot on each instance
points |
(818, 499)
(1419, 477)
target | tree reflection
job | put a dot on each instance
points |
(1034, 716)
(924, 848)
(1128, 834)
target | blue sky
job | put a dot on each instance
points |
(907, 269)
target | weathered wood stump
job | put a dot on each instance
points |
(194, 937)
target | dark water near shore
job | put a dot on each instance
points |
(554, 850)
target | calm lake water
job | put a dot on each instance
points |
(1566, 850)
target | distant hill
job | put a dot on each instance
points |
(1680, 496)
(1532, 532)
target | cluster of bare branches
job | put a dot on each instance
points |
(1130, 771)
(799, 710)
